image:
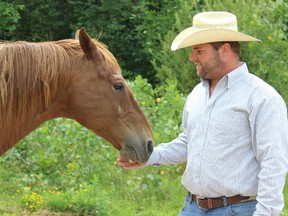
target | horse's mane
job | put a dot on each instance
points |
(31, 74)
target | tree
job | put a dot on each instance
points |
(10, 15)
(116, 25)
(44, 20)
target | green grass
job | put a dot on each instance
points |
(145, 192)
(130, 193)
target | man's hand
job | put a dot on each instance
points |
(128, 164)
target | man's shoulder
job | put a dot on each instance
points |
(261, 90)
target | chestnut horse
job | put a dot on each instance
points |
(73, 78)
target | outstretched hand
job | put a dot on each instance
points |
(128, 164)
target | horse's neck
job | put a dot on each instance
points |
(14, 130)
(12, 134)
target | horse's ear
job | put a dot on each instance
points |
(86, 43)
(77, 34)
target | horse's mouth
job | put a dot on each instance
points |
(129, 155)
(127, 160)
(132, 156)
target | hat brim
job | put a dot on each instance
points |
(191, 36)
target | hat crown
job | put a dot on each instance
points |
(215, 20)
(208, 27)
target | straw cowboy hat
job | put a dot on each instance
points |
(210, 27)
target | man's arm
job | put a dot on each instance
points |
(269, 128)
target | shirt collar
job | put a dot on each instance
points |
(237, 75)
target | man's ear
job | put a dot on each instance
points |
(226, 47)
(225, 50)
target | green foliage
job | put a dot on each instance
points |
(44, 20)
(116, 24)
(32, 201)
(175, 65)
(10, 15)
(85, 201)
(157, 103)
(264, 19)
(157, 20)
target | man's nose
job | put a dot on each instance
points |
(192, 57)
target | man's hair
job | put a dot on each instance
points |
(235, 46)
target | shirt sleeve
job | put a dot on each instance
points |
(269, 127)
(174, 152)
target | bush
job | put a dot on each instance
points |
(163, 107)
(85, 201)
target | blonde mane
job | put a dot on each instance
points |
(32, 74)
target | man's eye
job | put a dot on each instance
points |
(118, 86)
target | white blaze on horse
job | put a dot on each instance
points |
(74, 78)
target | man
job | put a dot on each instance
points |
(235, 129)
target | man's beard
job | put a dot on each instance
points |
(205, 70)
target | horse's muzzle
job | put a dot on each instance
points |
(137, 153)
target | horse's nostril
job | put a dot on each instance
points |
(150, 146)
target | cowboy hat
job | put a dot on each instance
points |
(210, 27)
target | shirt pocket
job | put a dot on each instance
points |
(229, 125)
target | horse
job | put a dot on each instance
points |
(79, 79)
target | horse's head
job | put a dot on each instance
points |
(100, 99)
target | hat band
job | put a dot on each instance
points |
(216, 26)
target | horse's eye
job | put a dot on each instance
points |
(118, 86)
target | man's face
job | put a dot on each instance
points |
(207, 60)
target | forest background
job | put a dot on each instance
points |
(62, 168)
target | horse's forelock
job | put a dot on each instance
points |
(108, 56)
